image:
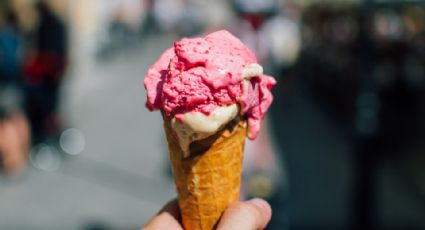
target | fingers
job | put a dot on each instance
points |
(167, 218)
(250, 215)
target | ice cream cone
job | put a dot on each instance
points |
(209, 179)
(212, 94)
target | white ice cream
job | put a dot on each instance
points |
(198, 126)
(251, 71)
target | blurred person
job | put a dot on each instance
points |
(9, 46)
(183, 17)
(121, 35)
(14, 129)
(252, 15)
(252, 214)
(149, 24)
(43, 75)
(283, 35)
(262, 174)
(14, 140)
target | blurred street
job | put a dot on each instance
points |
(342, 146)
(119, 178)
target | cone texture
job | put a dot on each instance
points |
(209, 179)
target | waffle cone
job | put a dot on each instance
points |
(209, 179)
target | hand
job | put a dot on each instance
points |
(245, 215)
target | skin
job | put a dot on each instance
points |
(245, 215)
(14, 144)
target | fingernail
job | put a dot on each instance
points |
(261, 204)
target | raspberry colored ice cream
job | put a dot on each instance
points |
(203, 74)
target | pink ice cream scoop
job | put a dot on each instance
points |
(202, 74)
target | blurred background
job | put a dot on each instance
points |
(342, 148)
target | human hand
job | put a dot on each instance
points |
(245, 215)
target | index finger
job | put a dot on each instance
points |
(167, 218)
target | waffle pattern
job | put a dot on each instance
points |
(209, 179)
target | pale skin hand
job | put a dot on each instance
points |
(245, 215)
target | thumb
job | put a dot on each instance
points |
(253, 214)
